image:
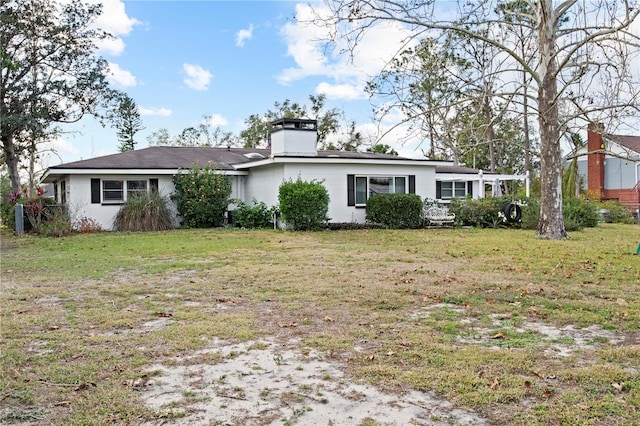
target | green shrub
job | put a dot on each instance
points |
(616, 212)
(256, 215)
(6, 206)
(530, 213)
(202, 196)
(482, 213)
(145, 212)
(579, 213)
(303, 205)
(396, 211)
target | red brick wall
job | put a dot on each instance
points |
(629, 197)
(595, 162)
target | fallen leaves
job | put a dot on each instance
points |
(84, 386)
(617, 386)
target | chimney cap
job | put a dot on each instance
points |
(596, 127)
(295, 123)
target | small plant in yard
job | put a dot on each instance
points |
(202, 196)
(615, 212)
(144, 212)
(579, 213)
(253, 216)
(58, 223)
(304, 205)
(86, 225)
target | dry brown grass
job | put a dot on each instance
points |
(520, 330)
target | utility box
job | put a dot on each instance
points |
(19, 215)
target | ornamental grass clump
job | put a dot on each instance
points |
(144, 212)
(202, 196)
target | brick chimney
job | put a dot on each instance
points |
(595, 160)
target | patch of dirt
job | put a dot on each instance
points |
(560, 342)
(263, 383)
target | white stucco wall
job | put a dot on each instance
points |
(264, 182)
(79, 197)
(261, 183)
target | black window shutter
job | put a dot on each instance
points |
(351, 190)
(95, 191)
(438, 190)
(470, 188)
(412, 184)
(153, 183)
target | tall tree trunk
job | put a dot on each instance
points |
(525, 125)
(551, 223)
(488, 116)
(12, 162)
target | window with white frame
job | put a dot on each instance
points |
(119, 191)
(453, 189)
(368, 186)
(136, 187)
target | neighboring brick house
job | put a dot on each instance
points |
(611, 169)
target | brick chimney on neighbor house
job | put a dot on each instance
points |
(595, 160)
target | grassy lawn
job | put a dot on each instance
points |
(521, 330)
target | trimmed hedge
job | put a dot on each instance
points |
(396, 211)
(304, 205)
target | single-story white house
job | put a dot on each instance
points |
(97, 187)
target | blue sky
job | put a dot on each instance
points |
(187, 61)
(184, 61)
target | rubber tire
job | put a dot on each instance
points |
(509, 213)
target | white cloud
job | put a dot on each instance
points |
(307, 46)
(215, 120)
(120, 77)
(243, 35)
(197, 77)
(115, 21)
(54, 151)
(341, 91)
(111, 46)
(61, 146)
(162, 112)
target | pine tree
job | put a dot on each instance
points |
(127, 122)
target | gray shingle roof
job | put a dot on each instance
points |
(174, 157)
(166, 157)
(630, 142)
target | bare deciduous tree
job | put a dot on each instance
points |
(580, 70)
